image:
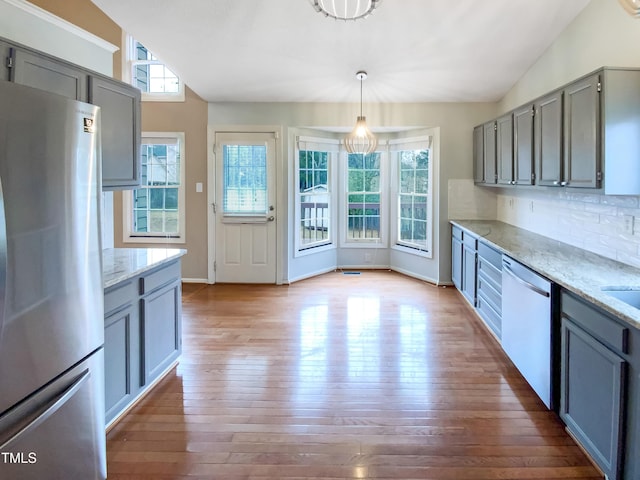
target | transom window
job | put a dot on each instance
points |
(155, 80)
(155, 211)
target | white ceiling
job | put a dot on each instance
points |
(283, 51)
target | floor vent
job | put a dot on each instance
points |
(351, 273)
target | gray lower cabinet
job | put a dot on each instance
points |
(469, 264)
(162, 329)
(143, 334)
(489, 287)
(593, 382)
(39, 71)
(120, 116)
(456, 257)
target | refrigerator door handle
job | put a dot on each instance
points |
(44, 411)
(3, 260)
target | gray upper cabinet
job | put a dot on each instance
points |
(7, 59)
(489, 152)
(548, 134)
(120, 115)
(523, 145)
(504, 149)
(478, 154)
(582, 133)
(42, 72)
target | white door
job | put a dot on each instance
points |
(245, 215)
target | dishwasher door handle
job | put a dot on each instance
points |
(530, 286)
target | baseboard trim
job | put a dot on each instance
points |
(195, 280)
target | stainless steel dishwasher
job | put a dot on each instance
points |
(526, 324)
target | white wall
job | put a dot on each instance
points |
(456, 122)
(602, 35)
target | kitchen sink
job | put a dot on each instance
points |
(628, 295)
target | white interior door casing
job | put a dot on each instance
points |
(245, 208)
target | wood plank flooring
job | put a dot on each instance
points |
(370, 376)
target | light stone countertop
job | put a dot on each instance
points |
(120, 264)
(577, 270)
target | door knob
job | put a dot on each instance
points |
(271, 218)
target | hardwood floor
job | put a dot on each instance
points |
(340, 376)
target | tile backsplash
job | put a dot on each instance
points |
(604, 224)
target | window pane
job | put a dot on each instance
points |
(363, 184)
(244, 179)
(314, 198)
(156, 207)
(413, 189)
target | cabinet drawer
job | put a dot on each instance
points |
(158, 278)
(491, 255)
(490, 294)
(470, 240)
(456, 232)
(489, 315)
(119, 296)
(601, 326)
(490, 273)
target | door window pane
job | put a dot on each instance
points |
(244, 180)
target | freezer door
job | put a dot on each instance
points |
(58, 432)
(52, 311)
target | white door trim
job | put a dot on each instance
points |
(211, 192)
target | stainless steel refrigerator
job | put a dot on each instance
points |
(51, 292)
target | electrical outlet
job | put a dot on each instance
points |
(628, 224)
(368, 258)
(531, 206)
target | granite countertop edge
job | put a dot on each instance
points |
(120, 264)
(577, 270)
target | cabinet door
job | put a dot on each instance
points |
(120, 116)
(42, 72)
(121, 360)
(504, 149)
(582, 133)
(548, 139)
(523, 145)
(489, 152)
(591, 396)
(5, 58)
(469, 273)
(478, 154)
(161, 327)
(456, 262)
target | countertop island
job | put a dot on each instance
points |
(119, 264)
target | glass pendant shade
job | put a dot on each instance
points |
(361, 140)
(345, 9)
(632, 7)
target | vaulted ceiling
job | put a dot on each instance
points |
(283, 51)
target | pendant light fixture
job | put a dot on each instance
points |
(361, 140)
(632, 7)
(345, 9)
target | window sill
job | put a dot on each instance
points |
(412, 251)
(159, 97)
(156, 240)
(312, 250)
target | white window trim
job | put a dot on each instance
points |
(128, 43)
(128, 236)
(333, 147)
(381, 242)
(420, 142)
